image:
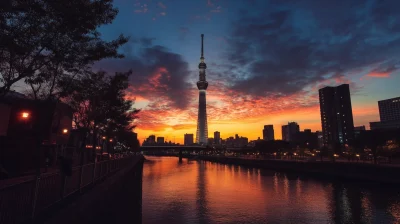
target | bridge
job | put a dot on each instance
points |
(173, 148)
(197, 148)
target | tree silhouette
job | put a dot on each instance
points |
(376, 141)
(100, 105)
(43, 41)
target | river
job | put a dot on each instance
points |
(205, 192)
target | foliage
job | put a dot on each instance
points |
(129, 139)
(100, 105)
(43, 41)
(377, 141)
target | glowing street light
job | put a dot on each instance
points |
(25, 115)
(104, 137)
(65, 131)
(111, 140)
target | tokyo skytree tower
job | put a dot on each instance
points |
(202, 84)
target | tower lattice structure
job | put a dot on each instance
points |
(202, 84)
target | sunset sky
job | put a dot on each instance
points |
(265, 60)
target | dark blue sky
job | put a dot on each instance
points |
(265, 54)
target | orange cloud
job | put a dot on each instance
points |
(379, 75)
(376, 75)
(184, 126)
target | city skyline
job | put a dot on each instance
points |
(249, 89)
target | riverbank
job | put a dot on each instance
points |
(351, 171)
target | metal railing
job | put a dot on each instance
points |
(23, 201)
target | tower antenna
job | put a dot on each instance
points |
(202, 46)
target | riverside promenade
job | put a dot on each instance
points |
(84, 197)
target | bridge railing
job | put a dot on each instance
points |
(23, 201)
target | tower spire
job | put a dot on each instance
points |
(202, 64)
(202, 47)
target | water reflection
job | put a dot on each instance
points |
(204, 192)
(201, 202)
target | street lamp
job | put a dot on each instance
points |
(65, 131)
(25, 115)
(111, 140)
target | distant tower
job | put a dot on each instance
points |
(202, 84)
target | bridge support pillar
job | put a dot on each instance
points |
(180, 155)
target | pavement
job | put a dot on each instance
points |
(115, 200)
(29, 176)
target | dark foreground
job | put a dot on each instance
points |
(116, 200)
(194, 191)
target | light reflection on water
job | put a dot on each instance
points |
(205, 192)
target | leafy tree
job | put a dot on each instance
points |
(100, 105)
(129, 139)
(42, 41)
(376, 141)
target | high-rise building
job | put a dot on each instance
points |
(202, 84)
(320, 139)
(210, 141)
(306, 139)
(358, 130)
(289, 131)
(336, 115)
(243, 141)
(268, 132)
(151, 139)
(217, 137)
(230, 142)
(188, 139)
(389, 112)
(160, 140)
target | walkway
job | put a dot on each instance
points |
(116, 200)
